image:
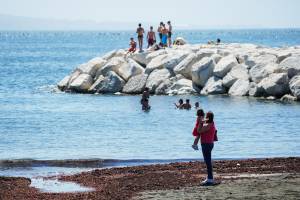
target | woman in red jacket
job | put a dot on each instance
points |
(207, 136)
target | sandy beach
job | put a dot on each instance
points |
(274, 178)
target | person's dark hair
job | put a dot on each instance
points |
(151, 27)
(218, 40)
(140, 24)
(210, 117)
(146, 89)
(187, 100)
(180, 101)
(131, 38)
(161, 23)
(200, 113)
(169, 22)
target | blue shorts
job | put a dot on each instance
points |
(164, 39)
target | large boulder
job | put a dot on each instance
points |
(255, 90)
(92, 66)
(238, 72)
(168, 61)
(288, 98)
(283, 55)
(140, 57)
(135, 84)
(82, 83)
(63, 84)
(113, 65)
(185, 66)
(180, 87)
(213, 86)
(264, 59)
(224, 66)
(240, 88)
(155, 63)
(294, 85)
(97, 84)
(109, 55)
(130, 69)
(111, 83)
(180, 41)
(156, 78)
(261, 71)
(155, 54)
(291, 65)
(202, 71)
(276, 84)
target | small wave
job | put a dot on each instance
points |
(84, 163)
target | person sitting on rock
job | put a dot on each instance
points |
(187, 105)
(132, 45)
(180, 104)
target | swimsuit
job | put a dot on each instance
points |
(164, 39)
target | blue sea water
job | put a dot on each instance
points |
(37, 123)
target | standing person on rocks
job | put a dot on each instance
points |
(151, 37)
(140, 31)
(207, 137)
(159, 30)
(170, 29)
(165, 32)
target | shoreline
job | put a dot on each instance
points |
(128, 182)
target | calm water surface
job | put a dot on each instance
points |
(39, 124)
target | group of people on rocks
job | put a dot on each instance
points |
(165, 37)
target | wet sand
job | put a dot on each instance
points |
(239, 179)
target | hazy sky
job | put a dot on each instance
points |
(206, 13)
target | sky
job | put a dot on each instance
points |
(183, 13)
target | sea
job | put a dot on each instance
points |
(46, 132)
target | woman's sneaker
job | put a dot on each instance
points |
(207, 182)
(195, 147)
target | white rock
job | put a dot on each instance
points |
(261, 71)
(237, 72)
(155, 63)
(111, 83)
(97, 84)
(265, 59)
(92, 66)
(185, 66)
(82, 83)
(224, 66)
(126, 71)
(240, 88)
(180, 41)
(113, 65)
(275, 84)
(216, 58)
(156, 78)
(135, 84)
(291, 65)
(255, 90)
(140, 57)
(213, 86)
(294, 85)
(283, 55)
(288, 98)
(63, 84)
(155, 54)
(202, 71)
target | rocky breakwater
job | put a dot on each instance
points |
(233, 69)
